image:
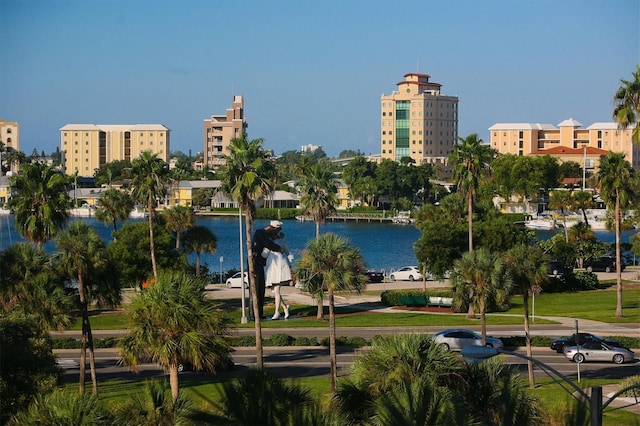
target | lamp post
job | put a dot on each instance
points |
(221, 260)
(475, 354)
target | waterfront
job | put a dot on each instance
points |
(384, 246)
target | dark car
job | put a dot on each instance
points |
(555, 268)
(559, 345)
(374, 276)
(602, 264)
(225, 364)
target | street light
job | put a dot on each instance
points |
(474, 354)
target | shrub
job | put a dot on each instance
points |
(630, 381)
(306, 341)
(279, 340)
(247, 340)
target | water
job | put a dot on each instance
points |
(384, 246)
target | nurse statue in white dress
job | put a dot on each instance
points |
(278, 274)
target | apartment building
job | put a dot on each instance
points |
(569, 141)
(10, 135)
(418, 121)
(87, 147)
(220, 129)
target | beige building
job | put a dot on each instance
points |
(87, 147)
(567, 142)
(10, 135)
(419, 122)
(220, 129)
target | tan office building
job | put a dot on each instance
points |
(87, 147)
(567, 142)
(220, 129)
(419, 122)
(10, 135)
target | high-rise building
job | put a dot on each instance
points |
(10, 135)
(220, 129)
(87, 147)
(419, 122)
(567, 142)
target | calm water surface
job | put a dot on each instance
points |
(384, 246)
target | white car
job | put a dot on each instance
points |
(236, 282)
(410, 273)
(598, 351)
(456, 339)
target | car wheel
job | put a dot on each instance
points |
(555, 272)
(392, 277)
(489, 345)
(618, 359)
(607, 269)
(444, 346)
(180, 368)
(589, 269)
(410, 277)
(228, 285)
(563, 348)
(578, 358)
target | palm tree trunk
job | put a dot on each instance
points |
(254, 289)
(332, 342)
(197, 263)
(152, 247)
(483, 322)
(92, 357)
(83, 359)
(470, 213)
(174, 381)
(319, 295)
(527, 337)
(618, 258)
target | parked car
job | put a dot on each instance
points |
(374, 276)
(410, 273)
(226, 364)
(455, 339)
(555, 268)
(598, 351)
(602, 264)
(236, 282)
(559, 345)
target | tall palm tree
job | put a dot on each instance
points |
(40, 202)
(247, 176)
(618, 185)
(81, 253)
(150, 180)
(337, 265)
(627, 105)
(470, 161)
(172, 322)
(561, 200)
(201, 240)
(319, 200)
(528, 270)
(480, 279)
(113, 206)
(177, 219)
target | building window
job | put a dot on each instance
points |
(9, 130)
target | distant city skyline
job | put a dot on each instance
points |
(310, 72)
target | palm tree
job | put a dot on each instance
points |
(582, 200)
(528, 269)
(201, 240)
(177, 219)
(172, 322)
(470, 161)
(40, 202)
(81, 253)
(65, 408)
(619, 189)
(154, 407)
(247, 177)
(113, 206)
(480, 279)
(336, 265)
(319, 199)
(561, 200)
(627, 105)
(150, 180)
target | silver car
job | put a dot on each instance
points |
(599, 351)
(456, 339)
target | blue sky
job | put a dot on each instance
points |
(311, 71)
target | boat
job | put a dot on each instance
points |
(540, 224)
(83, 211)
(403, 217)
(138, 213)
(4, 211)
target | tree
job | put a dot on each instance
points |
(627, 105)
(201, 240)
(62, 407)
(172, 322)
(480, 279)
(81, 255)
(561, 200)
(113, 206)
(150, 178)
(527, 266)
(177, 219)
(582, 200)
(330, 260)
(618, 188)
(470, 160)
(40, 202)
(247, 176)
